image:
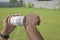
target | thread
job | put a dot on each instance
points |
(17, 20)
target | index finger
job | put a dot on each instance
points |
(6, 18)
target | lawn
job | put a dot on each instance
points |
(50, 23)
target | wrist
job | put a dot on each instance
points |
(4, 32)
(30, 27)
(3, 36)
(30, 24)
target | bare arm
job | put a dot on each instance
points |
(33, 33)
(7, 29)
(32, 20)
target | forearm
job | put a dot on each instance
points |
(33, 33)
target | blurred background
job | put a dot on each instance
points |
(50, 4)
(48, 10)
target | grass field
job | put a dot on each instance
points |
(50, 22)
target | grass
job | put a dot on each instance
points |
(50, 22)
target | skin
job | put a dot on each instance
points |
(32, 20)
(29, 24)
(7, 29)
(33, 33)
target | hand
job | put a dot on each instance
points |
(7, 28)
(32, 19)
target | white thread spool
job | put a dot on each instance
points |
(17, 20)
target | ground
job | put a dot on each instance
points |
(49, 27)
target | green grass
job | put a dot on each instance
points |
(50, 23)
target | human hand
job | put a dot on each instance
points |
(7, 28)
(32, 19)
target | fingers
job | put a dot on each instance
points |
(16, 15)
(6, 18)
(12, 16)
